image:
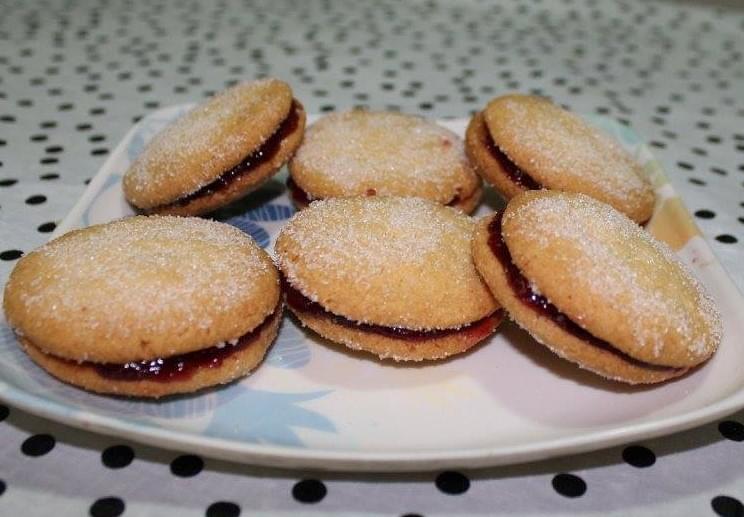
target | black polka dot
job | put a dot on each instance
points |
(38, 445)
(411, 515)
(639, 456)
(727, 506)
(36, 200)
(4, 412)
(453, 483)
(49, 176)
(569, 485)
(726, 238)
(10, 254)
(732, 430)
(187, 466)
(8, 182)
(107, 507)
(705, 214)
(46, 227)
(309, 491)
(2, 487)
(223, 509)
(117, 456)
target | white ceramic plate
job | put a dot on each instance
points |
(312, 404)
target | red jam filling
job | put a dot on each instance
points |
(177, 367)
(520, 286)
(299, 196)
(265, 153)
(476, 331)
(302, 198)
(514, 173)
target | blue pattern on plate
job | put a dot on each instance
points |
(290, 350)
(270, 212)
(265, 416)
(242, 222)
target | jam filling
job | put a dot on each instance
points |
(302, 198)
(265, 153)
(177, 367)
(299, 196)
(477, 330)
(514, 173)
(520, 286)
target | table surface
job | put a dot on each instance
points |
(75, 75)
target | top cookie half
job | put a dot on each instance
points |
(139, 288)
(544, 146)
(362, 153)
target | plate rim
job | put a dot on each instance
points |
(279, 456)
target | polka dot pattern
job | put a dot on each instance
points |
(38, 445)
(309, 491)
(107, 507)
(569, 485)
(727, 506)
(223, 509)
(75, 79)
(639, 456)
(187, 466)
(732, 430)
(117, 456)
(453, 483)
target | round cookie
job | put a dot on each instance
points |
(146, 306)
(389, 275)
(595, 288)
(523, 142)
(217, 152)
(367, 153)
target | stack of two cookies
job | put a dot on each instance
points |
(159, 305)
(378, 259)
(571, 264)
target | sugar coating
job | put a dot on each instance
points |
(611, 277)
(562, 151)
(141, 286)
(402, 262)
(210, 139)
(394, 154)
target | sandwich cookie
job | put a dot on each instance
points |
(365, 153)
(146, 306)
(595, 288)
(523, 142)
(391, 276)
(217, 152)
